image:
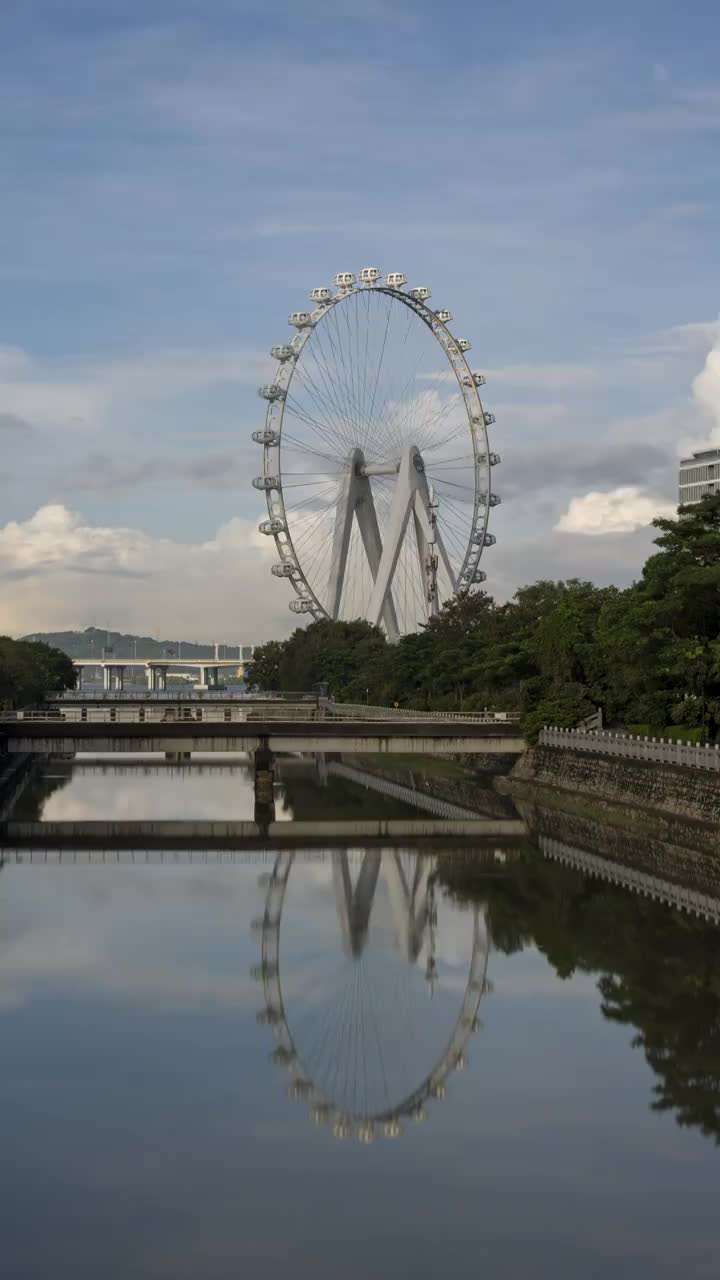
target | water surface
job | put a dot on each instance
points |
(346, 1062)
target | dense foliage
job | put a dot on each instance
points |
(657, 970)
(29, 670)
(648, 655)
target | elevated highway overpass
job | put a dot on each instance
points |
(156, 670)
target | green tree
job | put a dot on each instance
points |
(351, 658)
(263, 669)
(660, 640)
(29, 670)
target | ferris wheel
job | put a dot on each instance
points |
(352, 1024)
(376, 460)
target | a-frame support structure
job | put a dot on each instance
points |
(412, 497)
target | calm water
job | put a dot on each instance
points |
(346, 1063)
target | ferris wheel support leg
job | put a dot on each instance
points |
(425, 551)
(363, 898)
(399, 896)
(419, 904)
(342, 885)
(399, 515)
(355, 499)
(423, 501)
(346, 503)
(372, 542)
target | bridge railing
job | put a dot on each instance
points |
(139, 694)
(140, 711)
(365, 711)
(661, 750)
(165, 714)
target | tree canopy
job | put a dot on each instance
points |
(657, 969)
(648, 655)
(29, 670)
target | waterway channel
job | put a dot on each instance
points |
(306, 1051)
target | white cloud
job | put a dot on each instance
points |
(706, 388)
(619, 510)
(59, 572)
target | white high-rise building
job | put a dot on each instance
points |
(699, 475)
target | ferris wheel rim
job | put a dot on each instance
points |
(410, 1104)
(477, 421)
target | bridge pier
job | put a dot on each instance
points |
(209, 678)
(156, 678)
(113, 678)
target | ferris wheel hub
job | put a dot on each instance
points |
(380, 468)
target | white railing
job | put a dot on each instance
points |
(365, 711)
(661, 750)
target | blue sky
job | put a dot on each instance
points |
(176, 176)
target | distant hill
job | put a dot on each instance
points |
(91, 643)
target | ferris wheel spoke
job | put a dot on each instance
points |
(337, 372)
(348, 369)
(400, 397)
(378, 1048)
(442, 443)
(318, 557)
(332, 428)
(405, 422)
(353, 368)
(314, 1031)
(313, 499)
(432, 426)
(328, 430)
(309, 531)
(312, 424)
(339, 1046)
(291, 447)
(327, 411)
(331, 381)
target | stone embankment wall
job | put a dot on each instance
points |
(650, 791)
(688, 855)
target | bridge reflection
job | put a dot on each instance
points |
(74, 841)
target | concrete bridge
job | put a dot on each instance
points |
(216, 728)
(156, 670)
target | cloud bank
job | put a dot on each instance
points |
(706, 390)
(58, 571)
(621, 510)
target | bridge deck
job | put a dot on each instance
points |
(411, 737)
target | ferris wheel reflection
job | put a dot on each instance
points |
(349, 1014)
